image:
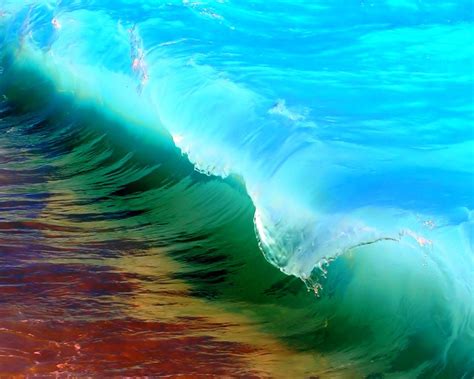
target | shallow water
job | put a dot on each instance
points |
(236, 189)
(88, 283)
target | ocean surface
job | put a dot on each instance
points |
(237, 188)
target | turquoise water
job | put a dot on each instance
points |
(344, 128)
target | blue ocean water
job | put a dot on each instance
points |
(348, 123)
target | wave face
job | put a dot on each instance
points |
(348, 125)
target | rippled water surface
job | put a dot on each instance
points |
(87, 280)
(237, 188)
